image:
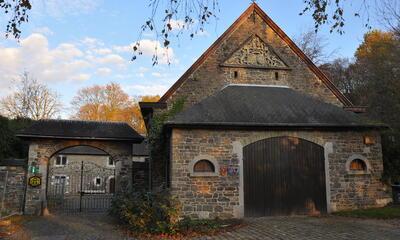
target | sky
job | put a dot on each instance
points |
(73, 44)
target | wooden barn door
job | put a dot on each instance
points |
(283, 176)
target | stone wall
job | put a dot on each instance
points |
(140, 172)
(12, 189)
(258, 56)
(41, 150)
(222, 196)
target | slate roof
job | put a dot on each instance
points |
(140, 149)
(88, 130)
(266, 106)
(83, 150)
(13, 162)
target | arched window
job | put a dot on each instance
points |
(204, 166)
(358, 165)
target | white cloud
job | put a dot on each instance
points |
(156, 74)
(43, 30)
(159, 75)
(103, 51)
(103, 71)
(112, 59)
(64, 62)
(142, 70)
(122, 49)
(152, 89)
(92, 42)
(149, 48)
(81, 77)
(177, 24)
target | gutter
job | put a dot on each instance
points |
(139, 140)
(247, 125)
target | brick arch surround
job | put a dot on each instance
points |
(41, 151)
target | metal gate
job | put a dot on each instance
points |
(80, 187)
(283, 176)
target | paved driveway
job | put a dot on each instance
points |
(98, 227)
(314, 228)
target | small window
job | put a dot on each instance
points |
(369, 140)
(97, 181)
(110, 162)
(276, 75)
(204, 166)
(60, 180)
(358, 165)
(61, 160)
(235, 74)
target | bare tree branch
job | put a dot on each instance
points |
(31, 99)
(314, 46)
(388, 12)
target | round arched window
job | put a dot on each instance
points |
(358, 165)
(203, 166)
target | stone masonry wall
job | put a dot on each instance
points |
(222, 196)
(210, 76)
(12, 190)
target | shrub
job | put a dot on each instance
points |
(147, 212)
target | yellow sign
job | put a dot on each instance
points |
(35, 181)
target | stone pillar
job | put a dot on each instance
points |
(123, 173)
(35, 196)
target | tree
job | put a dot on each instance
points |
(341, 72)
(376, 68)
(389, 14)
(109, 103)
(31, 99)
(377, 74)
(313, 45)
(10, 145)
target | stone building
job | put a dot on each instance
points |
(263, 132)
(81, 164)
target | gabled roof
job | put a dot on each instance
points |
(255, 8)
(266, 106)
(86, 130)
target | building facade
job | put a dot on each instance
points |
(264, 132)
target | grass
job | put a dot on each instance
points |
(388, 212)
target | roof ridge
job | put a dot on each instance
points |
(82, 121)
(254, 85)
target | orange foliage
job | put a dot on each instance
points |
(376, 43)
(110, 103)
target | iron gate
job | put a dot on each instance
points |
(80, 187)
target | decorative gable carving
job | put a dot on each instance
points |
(255, 53)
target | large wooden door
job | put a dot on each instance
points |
(283, 176)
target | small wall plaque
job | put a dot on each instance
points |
(35, 181)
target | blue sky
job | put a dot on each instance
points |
(77, 43)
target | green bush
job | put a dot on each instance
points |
(147, 212)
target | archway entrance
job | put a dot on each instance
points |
(283, 176)
(79, 180)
